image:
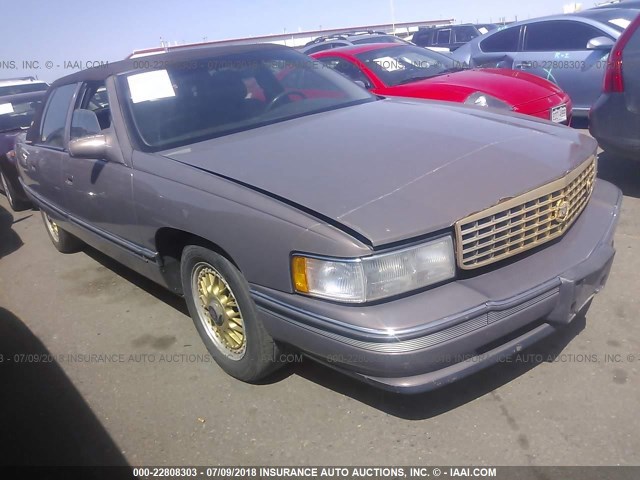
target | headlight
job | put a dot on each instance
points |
(379, 276)
(483, 100)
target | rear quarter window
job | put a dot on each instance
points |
(422, 37)
(503, 41)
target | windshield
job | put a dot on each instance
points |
(210, 97)
(405, 64)
(14, 116)
(22, 88)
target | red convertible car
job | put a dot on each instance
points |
(410, 71)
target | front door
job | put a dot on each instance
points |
(43, 159)
(98, 192)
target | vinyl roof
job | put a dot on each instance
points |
(162, 59)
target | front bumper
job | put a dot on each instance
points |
(426, 340)
(541, 108)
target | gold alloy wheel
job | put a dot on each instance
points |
(218, 311)
(52, 227)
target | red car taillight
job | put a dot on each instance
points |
(613, 80)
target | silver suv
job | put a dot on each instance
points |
(349, 38)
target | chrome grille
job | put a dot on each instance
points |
(524, 222)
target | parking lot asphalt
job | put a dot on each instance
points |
(151, 396)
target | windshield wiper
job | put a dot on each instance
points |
(450, 70)
(424, 77)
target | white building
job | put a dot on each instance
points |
(301, 38)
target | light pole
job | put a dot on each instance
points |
(393, 17)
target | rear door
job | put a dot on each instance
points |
(98, 193)
(42, 160)
(557, 51)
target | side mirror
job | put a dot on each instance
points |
(600, 43)
(92, 146)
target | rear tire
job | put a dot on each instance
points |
(61, 239)
(16, 205)
(225, 316)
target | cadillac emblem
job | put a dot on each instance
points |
(561, 210)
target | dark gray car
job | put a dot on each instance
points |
(291, 207)
(570, 50)
(451, 37)
(615, 118)
(16, 113)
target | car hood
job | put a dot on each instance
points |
(396, 168)
(512, 86)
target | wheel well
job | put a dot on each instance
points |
(170, 243)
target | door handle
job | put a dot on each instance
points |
(69, 180)
(523, 65)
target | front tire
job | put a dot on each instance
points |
(225, 316)
(61, 239)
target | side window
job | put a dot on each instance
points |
(416, 38)
(55, 117)
(346, 68)
(465, 34)
(92, 113)
(503, 41)
(444, 37)
(422, 37)
(559, 35)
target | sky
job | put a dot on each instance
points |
(57, 38)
